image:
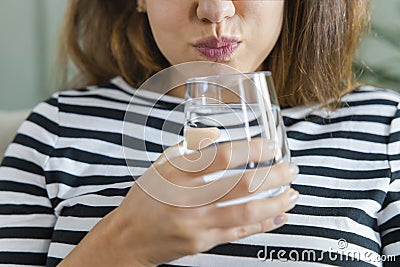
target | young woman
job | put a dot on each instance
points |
(69, 199)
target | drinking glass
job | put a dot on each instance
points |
(241, 106)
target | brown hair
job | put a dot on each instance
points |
(311, 62)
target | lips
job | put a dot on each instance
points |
(217, 49)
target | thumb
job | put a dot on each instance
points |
(198, 138)
(195, 138)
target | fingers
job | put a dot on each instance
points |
(225, 156)
(251, 212)
(257, 180)
(236, 233)
(224, 235)
(264, 178)
(169, 153)
(198, 138)
(194, 139)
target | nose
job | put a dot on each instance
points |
(215, 11)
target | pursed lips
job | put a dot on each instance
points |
(217, 49)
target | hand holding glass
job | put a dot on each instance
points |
(236, 107)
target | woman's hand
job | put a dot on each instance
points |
(171, 212)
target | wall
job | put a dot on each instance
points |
(379, 53)
(28, 34)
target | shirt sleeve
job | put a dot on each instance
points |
(389, 216)
(26, 213)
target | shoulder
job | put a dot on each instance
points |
(99, 95)
(364, 102)
(370, 95)
(117, 94)
(372, 101)
(107, 101)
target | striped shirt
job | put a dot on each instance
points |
(66, 169)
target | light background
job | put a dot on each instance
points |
(29, 30)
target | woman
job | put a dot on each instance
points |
(69, 199)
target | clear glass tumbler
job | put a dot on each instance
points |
(242, 107)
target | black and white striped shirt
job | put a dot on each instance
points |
(66, 169)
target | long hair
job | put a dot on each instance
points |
(311, 61)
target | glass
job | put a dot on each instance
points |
(242, 107)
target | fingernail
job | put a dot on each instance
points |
(294, 169)
(279, 220)
(294, 196)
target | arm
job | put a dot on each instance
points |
(26, 213)
(389, 216)
(144, 231)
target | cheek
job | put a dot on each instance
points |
(162, 25)
(267, 24)
(168, 31)
(263, 20)
(168, 17)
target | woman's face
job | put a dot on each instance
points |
(239, 33)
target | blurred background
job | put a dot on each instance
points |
(28, 37)
(378, 58)
(29, 30)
